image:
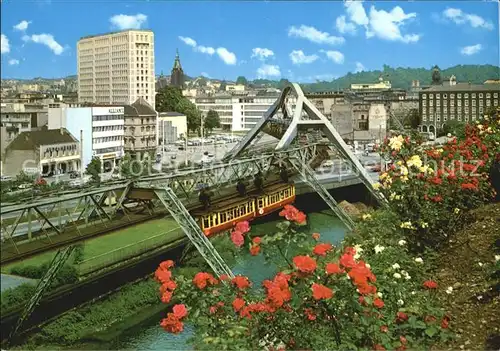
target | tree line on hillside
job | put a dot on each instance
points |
(400, 77)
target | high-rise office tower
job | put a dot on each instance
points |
(117, 68)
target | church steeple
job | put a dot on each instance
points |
(177, 76)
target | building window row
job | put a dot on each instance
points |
(108, 150)
(107, 118)
(459, 96)
(107, 128)
(107, 139)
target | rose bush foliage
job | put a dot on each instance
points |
(431, 188)
(323, 297)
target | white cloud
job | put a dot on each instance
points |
(356, 12)
(5, 46)
(387, 25)
(265, 71)
(188, 41)
(471, 49)
(335, 56)
(262, 53)
(298, 57)
(359, 67)
(13, 62)
(460, 17)
(128, 22)
(344, 27)
(205, 74)
(225, 55)
(379, 23)
(205, 50)
(314, 35)
(22, 26)
(47, 40)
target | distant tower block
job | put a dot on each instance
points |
(177, 76)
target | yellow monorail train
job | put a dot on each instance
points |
(225, 214)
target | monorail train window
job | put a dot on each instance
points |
(206, 223)
(223, 217)
(229, 215)
(260, 202)
(215, 220)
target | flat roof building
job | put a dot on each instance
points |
(463, 102)
(116, 68)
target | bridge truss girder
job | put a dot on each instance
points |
(187, 184)
(60, 214)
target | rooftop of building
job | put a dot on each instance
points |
(171, 114)
(115, 32)
(461, 87)
(139, 108)
(35, 138)
(325, 94)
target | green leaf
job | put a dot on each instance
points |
(431, 331)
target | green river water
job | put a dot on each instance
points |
(151, 336)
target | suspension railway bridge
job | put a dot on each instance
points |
(61, 222)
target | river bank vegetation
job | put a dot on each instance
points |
(98, 323)
(390, 285)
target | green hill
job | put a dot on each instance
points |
(402, 77)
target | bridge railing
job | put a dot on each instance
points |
(129, 251)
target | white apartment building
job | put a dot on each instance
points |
(117, 68)
(237, 112)
(100, 130)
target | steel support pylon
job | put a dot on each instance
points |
(55, 265)
(193, 231)
(309, 177)
(306, 117)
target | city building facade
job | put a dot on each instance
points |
(140, 129)
(46, 152)
(100, 130)
(117, 68)
(462, 102)
(171, 127)
(238, 111)
(15, 122)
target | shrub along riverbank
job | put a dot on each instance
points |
(93, 253)
(98, 322)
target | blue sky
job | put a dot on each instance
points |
(301, 41)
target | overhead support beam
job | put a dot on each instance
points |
(305, 117)
(57, 263)
(193, 231)
(309, 178)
